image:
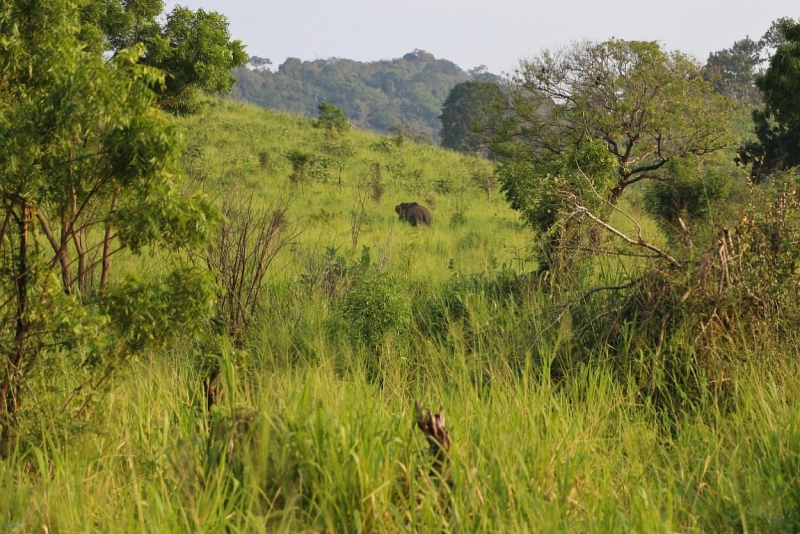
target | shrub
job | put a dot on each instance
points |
(374, 308)
(443, 186)
(693, 194)
(738, 290)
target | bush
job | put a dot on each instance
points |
(374, 308)
(673, 327)
(695, 192)
(443, 186)
(502, 290)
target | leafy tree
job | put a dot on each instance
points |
(332, 119)
(464, 115)
(301, 162)
(554, 198)
(646, 105)
(777, 124)
(86, 170)
(732, 71)
(258, 63)
(694, 193)
(485, 180)
(193, 48)
(781, 80)
(584, 123)
(773, 38)
(339, 152)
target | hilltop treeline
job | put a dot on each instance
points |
(375, 95)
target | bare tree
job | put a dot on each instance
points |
(241, 254)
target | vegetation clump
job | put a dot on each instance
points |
(374, 306)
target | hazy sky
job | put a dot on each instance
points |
(495, 33)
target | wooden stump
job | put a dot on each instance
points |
(433, 426)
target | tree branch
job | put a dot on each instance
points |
(61, 252)
(636, 242)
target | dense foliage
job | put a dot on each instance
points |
(87, 171)
(647, 105)
(465, 114)
(193, 48)
(733, 71)
(777, 124)
(374, 95)
(583, 126)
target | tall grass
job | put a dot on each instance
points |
(319, 446)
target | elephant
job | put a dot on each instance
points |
(414, 213)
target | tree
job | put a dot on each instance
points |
(259, 63)
(193, 48)
(87, 170)
(732, 71)
(647, 107)
(301, 161)
(584, 123)
(464, 115)
(339, 152)
(773, 38)
(332, 119)
(777, 124)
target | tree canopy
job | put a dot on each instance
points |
(646, 106)
(779, 83)
(332, 118)
(732, 71)
(193, 48)
(777, 124)
(465, 113)
(88, 169)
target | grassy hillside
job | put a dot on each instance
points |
(314, 427)
(473, 231)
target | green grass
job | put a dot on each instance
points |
(316, 449)
(231, 136)
(316, 433)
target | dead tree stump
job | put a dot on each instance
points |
(432, 425)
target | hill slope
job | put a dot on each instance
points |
(236, 149)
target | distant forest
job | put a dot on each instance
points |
(375, 95)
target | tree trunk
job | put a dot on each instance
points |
(617, 192)
(60, 250)
(8, 397)
(107, 246)
(78, 242)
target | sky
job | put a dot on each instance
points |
(494, 33)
